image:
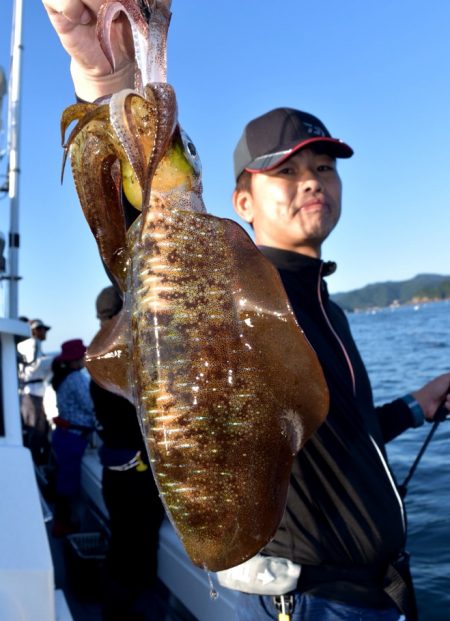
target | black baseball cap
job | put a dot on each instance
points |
(273, 137)
(38, 323)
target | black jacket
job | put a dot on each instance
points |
(343, 509)
(118, 427)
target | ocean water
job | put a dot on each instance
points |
(403, 348)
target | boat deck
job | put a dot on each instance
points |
(81, 581)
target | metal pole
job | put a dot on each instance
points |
(3, 91)
(13, 151)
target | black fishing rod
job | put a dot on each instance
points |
(440, 416)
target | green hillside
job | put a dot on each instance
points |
(421, 287)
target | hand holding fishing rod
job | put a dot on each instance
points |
(434, 396)
(426, 397)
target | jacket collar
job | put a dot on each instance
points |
(289, 261)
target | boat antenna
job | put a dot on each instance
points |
(13, 159)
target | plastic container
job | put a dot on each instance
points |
(86, 554)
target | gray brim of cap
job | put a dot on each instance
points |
(331, 146)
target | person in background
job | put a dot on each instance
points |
(34, 369)
(73, 426)
(341, 540)
(130, 495)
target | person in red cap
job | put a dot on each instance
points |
(339, 550)
(74, 424)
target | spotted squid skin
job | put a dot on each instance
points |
(221, 434)
(226, 385)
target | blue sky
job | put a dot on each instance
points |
(375, 72)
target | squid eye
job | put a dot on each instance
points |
(191, 148)
(191, 153)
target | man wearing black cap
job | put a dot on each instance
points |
(273, 153)
(338, 553)
(344, 525)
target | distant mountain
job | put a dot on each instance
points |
(420, 288)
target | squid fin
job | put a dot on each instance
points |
(108, 358)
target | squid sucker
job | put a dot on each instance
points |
(226, 385)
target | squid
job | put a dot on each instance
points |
(226, 386)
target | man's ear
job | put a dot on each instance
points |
(243, 205)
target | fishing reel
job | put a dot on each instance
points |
(441, 415)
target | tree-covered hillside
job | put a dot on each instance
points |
(421, 287)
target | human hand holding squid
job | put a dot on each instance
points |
(75, 23)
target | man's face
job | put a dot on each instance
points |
(294, 206)
(40, 333)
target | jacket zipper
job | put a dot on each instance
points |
(352, 374)
(336, 336)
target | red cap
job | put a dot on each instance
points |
(72, 350)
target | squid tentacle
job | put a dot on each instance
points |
(156, 61)
(139, 30)
(74, 113)
(149, 22)
(121, 118)
(96, 172)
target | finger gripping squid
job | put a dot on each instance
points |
(226, 386)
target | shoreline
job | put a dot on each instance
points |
(394, 305)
